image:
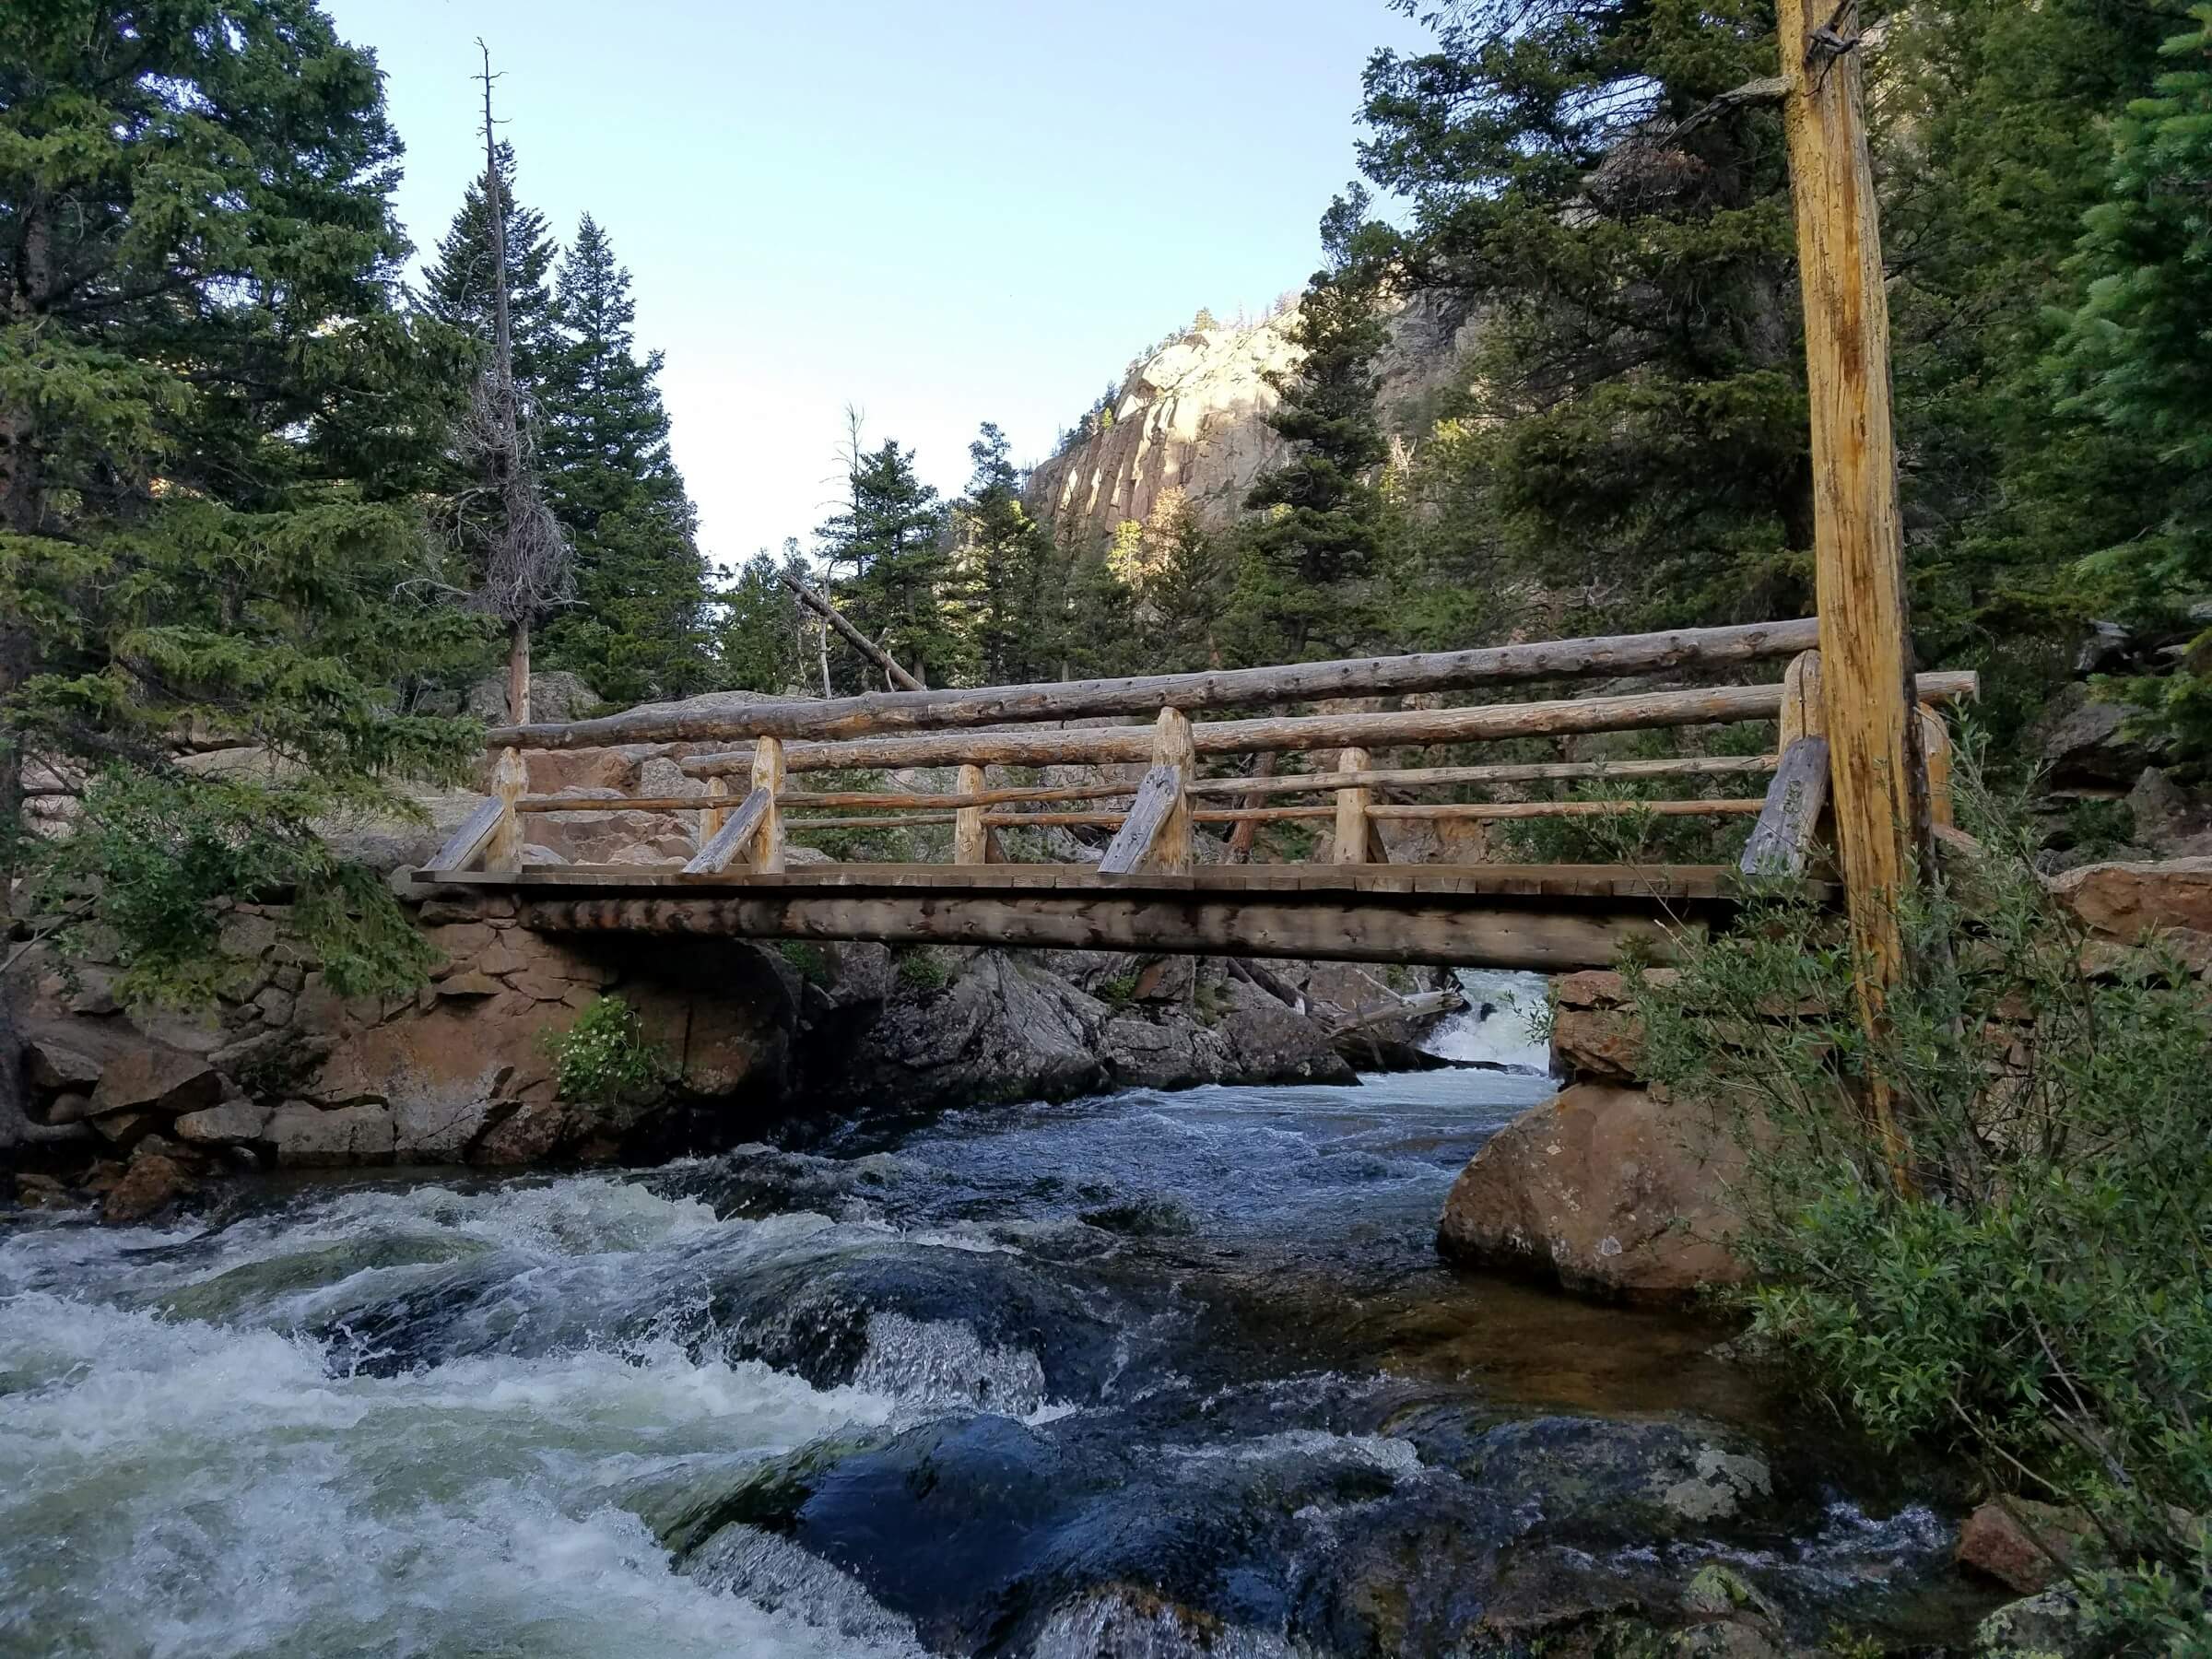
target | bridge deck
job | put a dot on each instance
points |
(1548, 917)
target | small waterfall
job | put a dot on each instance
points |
(1493, 1029)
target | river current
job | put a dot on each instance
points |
(1144, 1374)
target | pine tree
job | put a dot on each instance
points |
(762, 642)
(640, 627)
(1005, 551)
(2137, 358)
(457, 288)
(1636, 409)
(888, 554)
(213, 417)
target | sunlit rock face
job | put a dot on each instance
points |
(1192, 417)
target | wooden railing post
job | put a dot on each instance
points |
(1351, 809)
(1171, 746)
(1804, 714)
(1876, 787)
(1935, 750)
(712, 818)
(509, 778)
(767, 774)
(970, 836)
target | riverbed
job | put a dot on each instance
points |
(1144, 1374)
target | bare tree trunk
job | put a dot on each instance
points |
(518, 672)
(1241, 837)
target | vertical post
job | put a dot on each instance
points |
(1171, 746)
(768, 773)
(1804, 714)
(518, 673)
(1351, 810)
(712, 818)
(1935, 747)
(509, 777)
(970, 838)
(1878, 792)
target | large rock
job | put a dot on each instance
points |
(157, 1080)
(2023, 1543)
(316, 1137)
(1609, 1190)
(1595, 1030)
(2082, 742)
(150, 1184)
(2143, 903)
(555, 696)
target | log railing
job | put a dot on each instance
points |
(748, 806)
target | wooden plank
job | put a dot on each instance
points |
(971, 835)
(1875, 780)
(1781, 839)
(901, 821)
(1482, 811)
(1132, 847)
(473, 835)
(767, 849)
(1488, 723)
(731, 839)
(1537, 939)
(829, 719)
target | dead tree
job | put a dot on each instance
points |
(526, 564)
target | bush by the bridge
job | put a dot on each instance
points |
(2040, 1298)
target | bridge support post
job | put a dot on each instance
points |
(1351, 809)
(1877, 785)
(1936, 749)
(971, 835)
(509, 778)
(712, 818)
(768, 773)
(1171, 746)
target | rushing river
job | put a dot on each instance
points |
(1148, 1374)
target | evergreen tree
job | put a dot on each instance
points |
(895, 578)
(212, 419)
(763, 639)
(1005, 552)
(1321, 512)
(457, 288)
(1636, 407)
(2137, 359)
(640, 627)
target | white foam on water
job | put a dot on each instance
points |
(178, 1488)
(942, 1362)
(1493, 1029)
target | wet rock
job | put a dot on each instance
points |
(150, 1184)
(232, 1124)
(1607, 1191)
(2016, 1545)
(127, 1129)
(308, 1136)
(157, 1080)
(36, 1191)
(528, 1135)
(2048, 1626)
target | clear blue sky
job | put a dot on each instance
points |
(944, 212)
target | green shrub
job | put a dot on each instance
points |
(923, 970)
(2041, 1300)
(1118, 992)
(809, 960)
(605, 1060)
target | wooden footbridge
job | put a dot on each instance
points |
(1083, 761)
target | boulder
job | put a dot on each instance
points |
(1609, 1190)
(555, 696)
(2142, 903)
(309, 1136)
(52, 1064)
(2082, 741)
(2016, 1542)
(2048, 1626)
(157, 1080)
(232, 1124)
(529, 1134)
(150, 1184)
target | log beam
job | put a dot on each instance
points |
(1714, 705)
(1351, 809)
(971, 835)
(876, 714)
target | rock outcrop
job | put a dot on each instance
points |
(1190, 416)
